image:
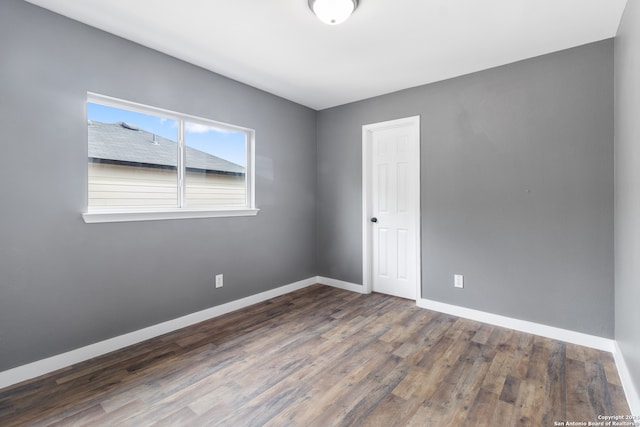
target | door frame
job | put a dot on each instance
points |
(367, 187)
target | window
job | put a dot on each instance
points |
(146, 163)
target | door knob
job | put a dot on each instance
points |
(374, 219)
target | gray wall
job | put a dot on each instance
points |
(627, 188)
(64, 283)
(517, 188)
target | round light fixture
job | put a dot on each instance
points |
(333, 12)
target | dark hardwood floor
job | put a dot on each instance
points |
(321, 357)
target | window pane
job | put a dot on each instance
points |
(215, 161)
(132, 159)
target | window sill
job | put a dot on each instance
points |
(157, 215)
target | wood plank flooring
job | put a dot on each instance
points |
(326, 357)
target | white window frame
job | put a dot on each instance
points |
(99, 215)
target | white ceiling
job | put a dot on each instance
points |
(387, 45)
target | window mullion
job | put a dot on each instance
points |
(181, 163)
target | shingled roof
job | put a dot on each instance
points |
(122, 143)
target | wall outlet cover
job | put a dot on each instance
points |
(458, 280)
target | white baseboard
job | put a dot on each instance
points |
(341, 284)
(633, 398)
(566, 335)
(50, 364)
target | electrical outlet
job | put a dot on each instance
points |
(458, 280)
(219, 280)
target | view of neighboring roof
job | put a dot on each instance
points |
(126, 144)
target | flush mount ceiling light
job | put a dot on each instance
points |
(333, 12)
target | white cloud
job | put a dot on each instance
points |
(197, 128)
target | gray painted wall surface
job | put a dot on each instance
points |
(627, 188)
(517, 188)
(65, 284)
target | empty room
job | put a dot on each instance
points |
(320, 213)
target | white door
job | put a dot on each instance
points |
(391, 164)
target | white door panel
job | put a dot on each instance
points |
(392, 152)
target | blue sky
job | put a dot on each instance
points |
(226, 144)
